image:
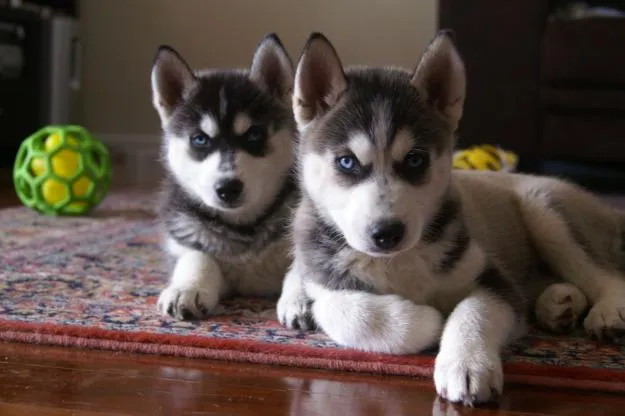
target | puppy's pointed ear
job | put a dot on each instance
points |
(171, 79)
(441, 79)
(272, 68)
(319, 80)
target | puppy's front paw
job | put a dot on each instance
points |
(468, 376)
(606, 320)
(187, 303)
(295, 312)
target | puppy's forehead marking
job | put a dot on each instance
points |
(241, 123)
(381, 123)
(209, 125)
(360, 145)
(223, 103)
(401, 144)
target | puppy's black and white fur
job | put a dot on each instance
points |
(395, 252)
(228, 140)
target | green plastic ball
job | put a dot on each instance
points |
(62, 170)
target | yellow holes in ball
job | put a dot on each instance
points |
(54, 140)
(54, 191)
(77, 206)
(65, 163)
(38, 166)
(81, 186)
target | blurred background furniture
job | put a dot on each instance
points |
(545, 79)
(39, 69)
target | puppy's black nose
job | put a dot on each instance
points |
(229, 190)
(388, 234)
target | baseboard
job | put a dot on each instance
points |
(135, 158)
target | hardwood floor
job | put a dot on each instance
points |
(36, 380)
(51, 381)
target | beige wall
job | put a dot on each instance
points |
(121, 36)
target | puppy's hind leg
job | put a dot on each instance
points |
(559, 307)
(553, 236)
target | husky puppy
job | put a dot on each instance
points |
(394, 252)
(228, 139)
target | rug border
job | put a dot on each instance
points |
(194, 346)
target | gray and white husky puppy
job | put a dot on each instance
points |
(228, 138)
(394, 252)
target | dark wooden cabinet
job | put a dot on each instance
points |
(547, 89)
(39, 74)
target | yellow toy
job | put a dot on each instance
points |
(485, 157)
(65, 164)
(62, 170)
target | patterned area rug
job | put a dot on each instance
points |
(92, 282)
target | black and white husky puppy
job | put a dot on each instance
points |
(228, 138)
(395, 252)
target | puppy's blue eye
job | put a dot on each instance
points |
(255, 134)
(347, 163)
(415, 159)
(200, 140)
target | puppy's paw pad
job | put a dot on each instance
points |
(187, 303)
(469, 379)
(606, 320)
(560, 306)
(296, 313)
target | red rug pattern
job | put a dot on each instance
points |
(92, 282)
